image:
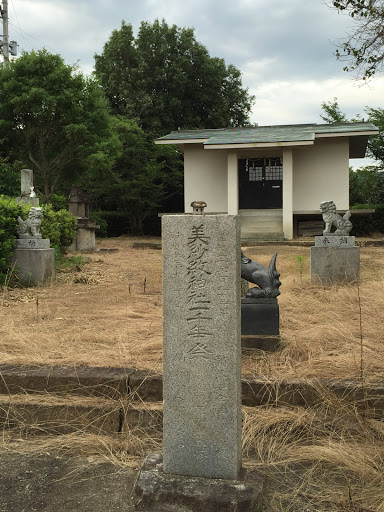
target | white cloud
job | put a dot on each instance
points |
(291, 101)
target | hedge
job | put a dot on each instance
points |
(58, 226)
(367, 224)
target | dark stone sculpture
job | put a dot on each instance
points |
(266, 279)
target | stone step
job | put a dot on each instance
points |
(277, 213)
(262, 237)
(261, 226)
(52, 414)
(84, 381)
(116, 388)
(49, 414)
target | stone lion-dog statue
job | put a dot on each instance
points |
(30, 228)
(266, 279)
(342, 224)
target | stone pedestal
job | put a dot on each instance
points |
(202, 352)
(26, 189)
(260, 321)
(33, 260)
(161, 492)
(85, 236)
(34, 201)
(335, 259)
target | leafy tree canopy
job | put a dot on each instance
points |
(143, 178)
(332, 112)
(53, 119)
(166, 80)
(363, 50)
(375, 150)
(366, 185)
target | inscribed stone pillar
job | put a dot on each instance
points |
(26, 181)
(202, 347)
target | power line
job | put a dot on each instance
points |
(17, 19)
(43, 44)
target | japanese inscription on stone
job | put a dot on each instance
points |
(201, 285)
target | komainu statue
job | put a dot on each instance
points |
(342, 224)
(266, 279)
(30, 228)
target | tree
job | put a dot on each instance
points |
(366, 186)
(55, 120)
(166, 80)
(375, 147)
(376, 144)
(143, 178)
(9, 177)
(364, 48)
(332, 112)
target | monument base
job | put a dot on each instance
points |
(335, 264)
(250, 342)
(85, 236)
(259, 317)
(156, 490)
(34, 266)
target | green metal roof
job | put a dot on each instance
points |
(268, 134)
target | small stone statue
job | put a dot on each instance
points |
(30, 228)
(342, 224)
(32, 192)
(266, 279)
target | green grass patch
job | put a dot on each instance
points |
(72, 263)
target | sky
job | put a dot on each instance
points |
(285, 49)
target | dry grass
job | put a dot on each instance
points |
(329, 457)
(104, 315)
(99, 316)
(320, 325)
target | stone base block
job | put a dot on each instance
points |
(254, 342)
(161, 492)
(85, 236)
(34, 201)
(31, 243)
(335, 264)
(259, 317)
(34, 266)
(334, 241)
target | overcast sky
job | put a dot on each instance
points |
(284, 48)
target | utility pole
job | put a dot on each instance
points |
(4, 15)
(8, 47)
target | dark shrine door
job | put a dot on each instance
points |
(260, 183)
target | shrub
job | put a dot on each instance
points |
(59, 227)
(372, 223)
(98, 217)
(59, 202)
(9, 211)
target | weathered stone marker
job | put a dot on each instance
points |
(202, 348)
(27, 194)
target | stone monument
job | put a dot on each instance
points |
(335, 258)
(202, 369)
(202, 420)
(27, 195)
(78, 205)
(260, 316)
(32, 255)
